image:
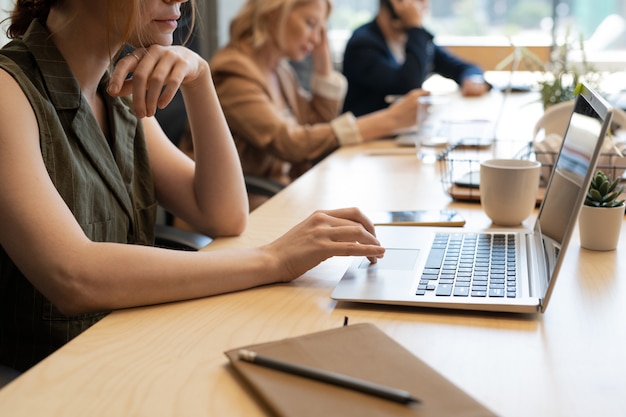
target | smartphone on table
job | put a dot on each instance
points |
(446, 217)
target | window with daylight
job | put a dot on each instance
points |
(479, 28)
(483, 29)
(5, 9)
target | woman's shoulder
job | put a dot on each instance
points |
(366, 34)
(17, 56)
(14, 57)
(234, 71)
(231, 59)
(19, 64)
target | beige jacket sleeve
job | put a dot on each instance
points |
(305, 133)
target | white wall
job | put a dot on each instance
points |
(226, 10)
(5, 7)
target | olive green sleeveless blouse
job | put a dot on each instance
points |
(107, 186)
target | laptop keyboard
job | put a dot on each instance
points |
(470, 265)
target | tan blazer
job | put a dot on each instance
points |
(271, 141)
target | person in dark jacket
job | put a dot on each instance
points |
(394, 54)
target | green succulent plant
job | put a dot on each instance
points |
(603, 192)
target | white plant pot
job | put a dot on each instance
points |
(600, 227)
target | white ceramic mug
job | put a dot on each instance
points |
(508, 189)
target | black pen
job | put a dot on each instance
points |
(344, 381)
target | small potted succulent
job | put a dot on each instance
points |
(602, 214)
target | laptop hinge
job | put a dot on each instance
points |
(536, 262)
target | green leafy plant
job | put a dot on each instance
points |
(603, 192)
(560, 76)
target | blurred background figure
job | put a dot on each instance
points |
(394, 54)
(280, 128)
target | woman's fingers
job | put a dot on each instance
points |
(354, 235)
(342, 232)
(147, 82)
(152, 76)
(123, 71)
(353, 215)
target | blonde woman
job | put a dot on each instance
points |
(82, 168)
(279, 129)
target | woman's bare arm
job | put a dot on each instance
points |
(210, 194)
(43, 239)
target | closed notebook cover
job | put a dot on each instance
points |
(361, 351)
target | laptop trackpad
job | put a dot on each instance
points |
(396, 259)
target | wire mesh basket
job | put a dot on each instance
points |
(459, 167)
(611, 163)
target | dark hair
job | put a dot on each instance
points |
(24, 12)
(387, 5)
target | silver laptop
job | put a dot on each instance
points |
(508, 270)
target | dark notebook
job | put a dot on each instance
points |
(362, 351)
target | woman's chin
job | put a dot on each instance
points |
(299, 57)
(162, 39)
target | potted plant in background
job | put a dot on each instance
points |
(602, 215)
(561, 75)
(558, 78)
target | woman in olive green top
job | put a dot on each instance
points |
(83, 164)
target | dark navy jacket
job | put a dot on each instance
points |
(373, 72)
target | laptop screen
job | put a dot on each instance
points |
(572, 174)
